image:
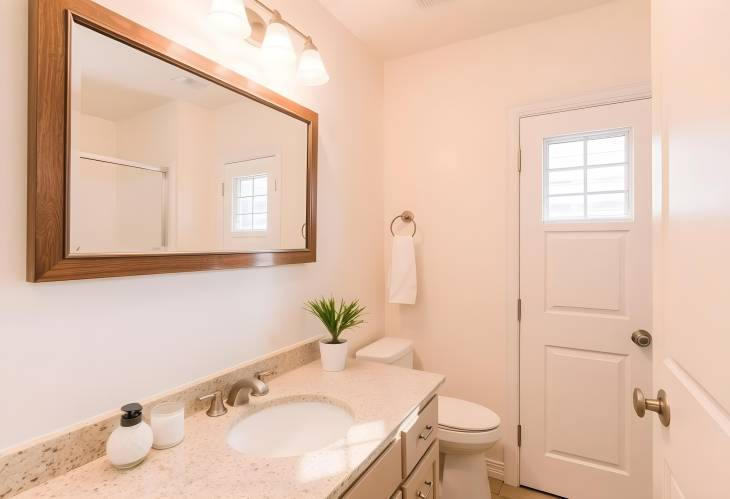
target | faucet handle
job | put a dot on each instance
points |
(264, 374)
(217, 408)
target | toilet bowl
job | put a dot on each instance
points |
(466, 430)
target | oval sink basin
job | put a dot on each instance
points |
(290, 429)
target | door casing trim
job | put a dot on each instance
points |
(512, 417)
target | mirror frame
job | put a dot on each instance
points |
(49, 54)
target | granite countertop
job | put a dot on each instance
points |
(380, 397)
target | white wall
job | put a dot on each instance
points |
(73, 350)
(446, 116)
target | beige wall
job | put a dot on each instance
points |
(96, 135)
(446, 116)
(75, 349)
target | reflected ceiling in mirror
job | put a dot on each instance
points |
(164, 161)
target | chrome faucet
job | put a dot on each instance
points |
(241, 390)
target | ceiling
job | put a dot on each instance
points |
(395, 28)
(115, 81)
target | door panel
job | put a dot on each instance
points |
(585, 283)
(691, 121)
(565, 372)
(570, 257)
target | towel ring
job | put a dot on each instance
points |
(407, 217)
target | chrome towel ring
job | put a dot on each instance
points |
(407, 217)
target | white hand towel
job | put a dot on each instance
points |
(403, 283)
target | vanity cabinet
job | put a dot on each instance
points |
(381, 478)
(409, 467)
(423, 482)
(417, 436)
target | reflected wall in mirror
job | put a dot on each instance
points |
(145, 157)
(165, 161)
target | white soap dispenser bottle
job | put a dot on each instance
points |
(129, 444)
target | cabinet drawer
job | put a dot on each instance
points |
(423, 483)
(381, 478)
(419, 436)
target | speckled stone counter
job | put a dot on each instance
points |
(380, 397)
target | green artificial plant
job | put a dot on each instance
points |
(337, 318)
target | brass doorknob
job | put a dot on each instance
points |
(658, 405)
(641, 338)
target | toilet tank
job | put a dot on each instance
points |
(388, 350)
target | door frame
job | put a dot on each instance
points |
(512, 327)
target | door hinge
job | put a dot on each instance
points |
(519, 160)
(519, 309)
(519, 435)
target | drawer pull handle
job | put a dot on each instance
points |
(426, 433)
(420, 494)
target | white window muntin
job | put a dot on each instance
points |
(584, 167)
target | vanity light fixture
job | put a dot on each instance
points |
(277, 46)
(230, 16)
(275, 42)
(311, 70)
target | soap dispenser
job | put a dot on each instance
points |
(129, 444)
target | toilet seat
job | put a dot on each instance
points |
(467, 439)
(464, 416)
(466, 426)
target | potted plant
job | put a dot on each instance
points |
(337, 318)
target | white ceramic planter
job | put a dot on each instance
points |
(334, 355)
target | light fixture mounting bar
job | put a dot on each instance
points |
(284, 21)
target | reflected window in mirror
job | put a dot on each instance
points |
(250, 209)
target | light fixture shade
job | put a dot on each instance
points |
(277, 46)
(311, 70)
(230, 16)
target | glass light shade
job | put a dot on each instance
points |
(311, 70)
(230, 16)
(277, 47)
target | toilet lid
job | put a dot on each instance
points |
(461, 415)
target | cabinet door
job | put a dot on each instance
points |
(423, 482)
(381, 478)
(419, 436)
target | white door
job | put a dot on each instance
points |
(691, 80)
(585, 286)
(251, 204)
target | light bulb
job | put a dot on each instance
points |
(311, 70)
(230, 16)
(277, 47)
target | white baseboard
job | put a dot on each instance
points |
(495, 469)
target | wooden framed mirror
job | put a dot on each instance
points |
(145, 157)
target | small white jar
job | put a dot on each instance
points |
(129, 444)
(168, 424)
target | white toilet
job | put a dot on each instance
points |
(466, 429)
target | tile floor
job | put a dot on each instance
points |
(502, 491)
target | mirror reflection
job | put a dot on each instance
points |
(163, 161)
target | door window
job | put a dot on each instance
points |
(587, 177)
